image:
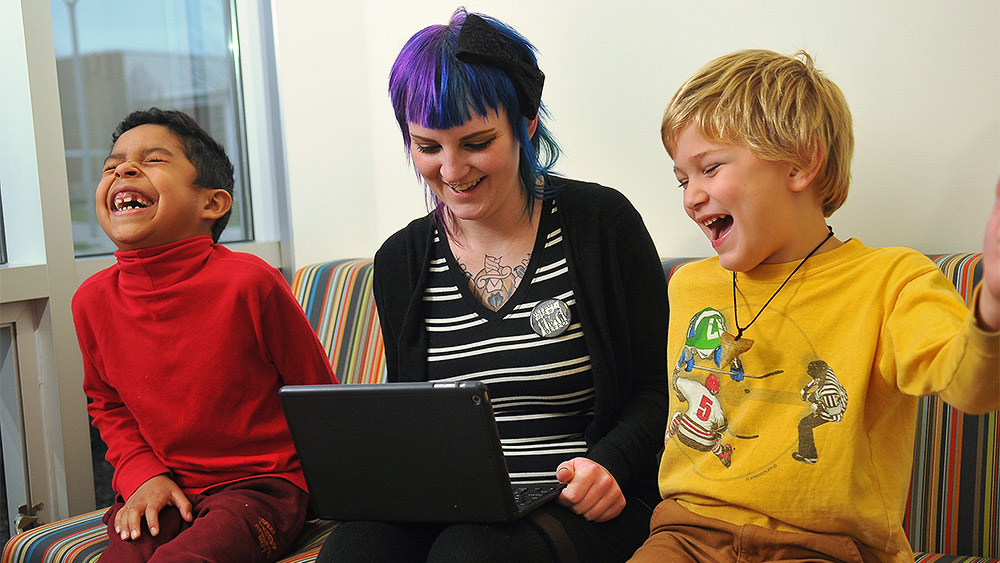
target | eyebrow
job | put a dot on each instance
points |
(143, 152)
(418, 138)
(700, 156)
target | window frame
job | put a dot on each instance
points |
(27, 450)
(3, 237)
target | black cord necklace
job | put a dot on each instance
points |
(733, 346)
(736, 316)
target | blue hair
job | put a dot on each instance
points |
(430, 86)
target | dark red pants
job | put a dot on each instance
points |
(252, 520)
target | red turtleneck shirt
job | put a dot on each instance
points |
(184, 347)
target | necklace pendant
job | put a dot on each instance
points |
(732, 348)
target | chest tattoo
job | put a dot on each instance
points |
(495, 282)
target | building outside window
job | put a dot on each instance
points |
(178, 55)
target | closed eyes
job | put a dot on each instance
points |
(474, 147)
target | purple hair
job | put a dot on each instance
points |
(430, 86)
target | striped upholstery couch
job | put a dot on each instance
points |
(952, 514)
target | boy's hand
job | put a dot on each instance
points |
(148, 500)
(590, 490)
(988, 313)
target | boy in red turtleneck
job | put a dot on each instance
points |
(185, 344)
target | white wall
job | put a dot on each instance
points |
(922, 78)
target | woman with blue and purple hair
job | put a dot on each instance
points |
(548, 290)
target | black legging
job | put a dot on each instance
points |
(528, 540)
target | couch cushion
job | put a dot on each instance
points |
(955, 490)
(82, 539)
(75, 540)
(337, 299)
(938, 558)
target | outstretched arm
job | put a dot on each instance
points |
(988, 309)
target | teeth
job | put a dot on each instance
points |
(131, 200)
(466, 187)
(710, 221)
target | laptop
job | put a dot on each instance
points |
(405, 452)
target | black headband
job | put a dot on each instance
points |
(480, 43)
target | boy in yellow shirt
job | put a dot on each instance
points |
(799, 357)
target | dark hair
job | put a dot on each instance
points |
(429, 85)
(213, 168)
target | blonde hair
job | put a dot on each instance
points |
(781, 108)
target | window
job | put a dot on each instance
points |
(178, 55)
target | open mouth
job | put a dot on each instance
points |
(129, 199)
(718, 226)
(462, 188)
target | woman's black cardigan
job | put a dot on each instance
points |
(621, 297)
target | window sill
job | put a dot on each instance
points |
(23, 282)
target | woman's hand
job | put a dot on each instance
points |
(590, 490)
(147, 501)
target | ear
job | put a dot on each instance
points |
(217, 203)
(801, 178)
(532, 126)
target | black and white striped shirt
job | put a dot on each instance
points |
(542, 389)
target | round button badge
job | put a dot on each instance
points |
(550, 318)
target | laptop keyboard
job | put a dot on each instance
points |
(527, 494)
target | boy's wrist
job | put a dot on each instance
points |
(987, 311)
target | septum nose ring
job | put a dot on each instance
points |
(453, 186)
